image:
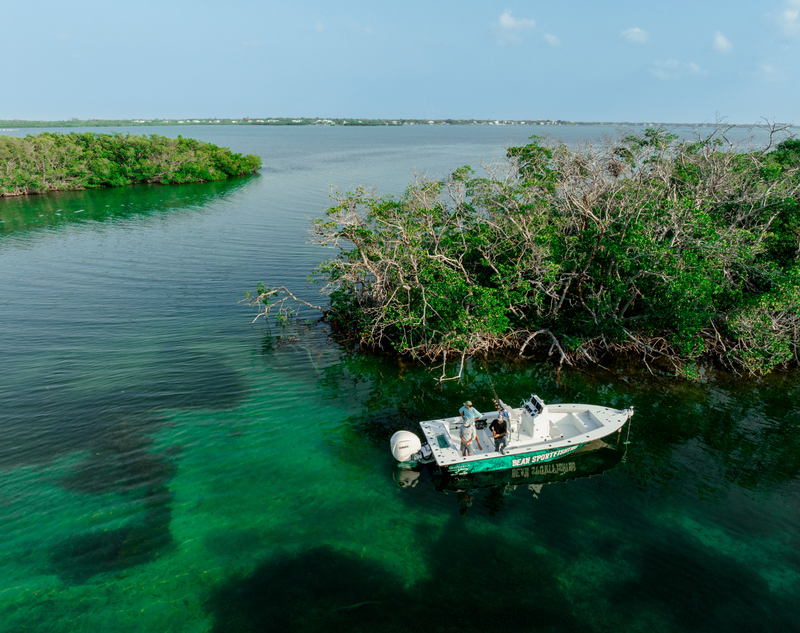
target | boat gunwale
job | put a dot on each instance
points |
(521, 451)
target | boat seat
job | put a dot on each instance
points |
(555, 432)
(578, 423)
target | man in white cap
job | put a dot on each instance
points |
(468, 434)
(468, 412)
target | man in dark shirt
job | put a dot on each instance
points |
(499, 430)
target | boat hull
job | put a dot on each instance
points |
(502, 462)
(592, 459)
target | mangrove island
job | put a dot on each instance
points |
(675, 250)
(53, 161)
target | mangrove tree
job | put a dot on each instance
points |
(52, 161)
(672, 249)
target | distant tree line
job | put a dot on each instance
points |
(672, 250)
(52, 161)
(295, 121)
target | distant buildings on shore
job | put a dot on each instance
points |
(13, 125)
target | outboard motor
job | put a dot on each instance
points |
(408, 450)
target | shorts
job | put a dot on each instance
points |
(466, 447)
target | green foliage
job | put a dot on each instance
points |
(670, 249)
(52, 161)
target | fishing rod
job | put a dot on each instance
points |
(499, 403)
(491, 384)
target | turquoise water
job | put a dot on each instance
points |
(166, 465)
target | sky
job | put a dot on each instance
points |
(580, 60)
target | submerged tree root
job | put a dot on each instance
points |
(653, 350)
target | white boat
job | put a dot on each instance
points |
(537, 433)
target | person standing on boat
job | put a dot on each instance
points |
(468, 433)
(468, 412)
(499, 429)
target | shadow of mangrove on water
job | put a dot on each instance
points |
(122, 463)
(61, 208)
(115, 429)
(325, 589)
(477, 583)
(681, 581)
(64, 420)
(79, 558)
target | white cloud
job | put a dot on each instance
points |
(552, 39)
(318, 27)
(507, 21)
(695, 69)
(772, 73)
(666, 69)
(508, 28)
(640, 36)
(356, 27)
(722, 43)
(788, 18)
(672, 69)
(663, 74)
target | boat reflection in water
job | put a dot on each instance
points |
(592, 459)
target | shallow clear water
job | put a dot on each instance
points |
(167, 466)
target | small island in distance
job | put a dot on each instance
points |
(52, 161)
(13, 124)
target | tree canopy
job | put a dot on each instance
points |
(646, 244)
(52, 161)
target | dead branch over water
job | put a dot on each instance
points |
(645, 244)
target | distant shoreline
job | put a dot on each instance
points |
(9, 125)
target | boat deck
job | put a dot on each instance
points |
(567, 426)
